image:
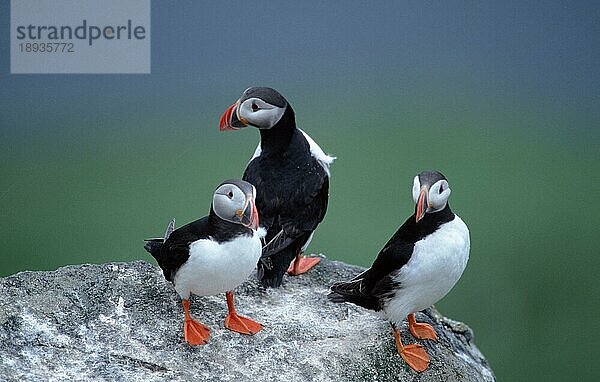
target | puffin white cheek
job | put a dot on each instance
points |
(260, 113)
(222, 206)
(244, 111)
(446, 194)
(438, 201)
(268, 117)
(238, 201)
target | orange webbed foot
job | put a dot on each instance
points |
(421, 330)
(195, 333)
(237, 323)
(242, 325)
(302, 265)
(416, 357)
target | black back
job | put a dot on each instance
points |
(371, 288)
(292, 194)
(174, 252)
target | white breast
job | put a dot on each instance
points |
(214, 268)
(434, 268)
(316, 151)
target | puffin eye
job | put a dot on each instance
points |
(230, 194)
(254, 106)
(441, 189)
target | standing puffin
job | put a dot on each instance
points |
(213, 255)
(417, 267)
(291, 175)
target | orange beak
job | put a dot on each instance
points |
(421, 204)
(254, 217)
(250, 215)
(229, 120)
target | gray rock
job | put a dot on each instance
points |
(123, 321)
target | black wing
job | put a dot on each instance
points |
(289, 226)
(292, 223)
(175, 250)
(371, 288)
(288, 198)
(292, 197)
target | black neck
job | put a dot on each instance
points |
(431, 221)
(277, 138)
(223, 230)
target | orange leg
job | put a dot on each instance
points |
(422, 330)
(302, 264)
(415, 356)
(237, 323)
(194, 332)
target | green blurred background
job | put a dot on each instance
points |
(503, 98)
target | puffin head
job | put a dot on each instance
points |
(258, 106)
(233, 201)
(430, 193)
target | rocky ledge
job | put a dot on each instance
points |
(123, 321)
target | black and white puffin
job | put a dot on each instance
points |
(417, 267)
(213, 255)
(291, 175)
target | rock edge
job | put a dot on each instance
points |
(123, 321)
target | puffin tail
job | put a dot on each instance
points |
(153, 246)
(344, 291)
(354, 292)
(336, 297)
(272, 268)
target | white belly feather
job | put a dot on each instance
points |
(214, 268)
(434, 268)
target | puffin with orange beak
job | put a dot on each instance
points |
(291, 175)
(213, 255)
(417, 267)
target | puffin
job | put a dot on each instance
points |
(291, 175)
(417, 267)
(213, 255)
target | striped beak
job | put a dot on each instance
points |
(421, 204)
(230, 119)
(249, 217)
